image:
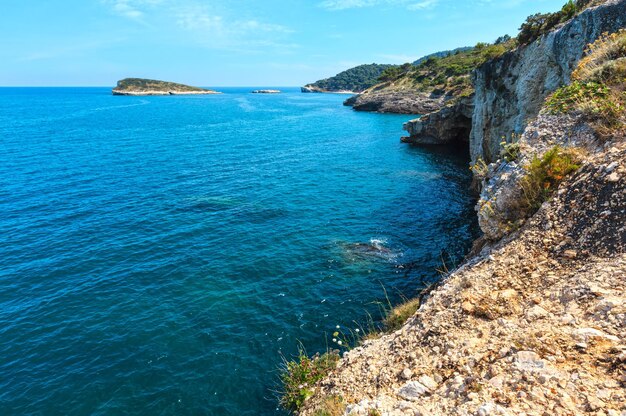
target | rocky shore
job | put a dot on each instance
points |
(534, 321)
(533, 324)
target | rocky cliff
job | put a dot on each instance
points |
(450, 124)
(534, 322)
(511, 90)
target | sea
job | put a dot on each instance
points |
(165, 255)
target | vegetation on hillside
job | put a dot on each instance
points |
(300, 375)
(598, 88)
(140, 84)
(449, 74)
(539, 24)
(355, 79)
(442, 54)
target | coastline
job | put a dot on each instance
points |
(534, 321)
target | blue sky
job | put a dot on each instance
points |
(236, 42)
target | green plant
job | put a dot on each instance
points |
(510, 150)
(544, 174)
(299, 376)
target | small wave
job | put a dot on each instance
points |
(113, 107)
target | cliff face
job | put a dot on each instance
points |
(511, 90)
(449, 125)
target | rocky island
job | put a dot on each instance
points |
(533, 322)
(142, 87)
(266, 92)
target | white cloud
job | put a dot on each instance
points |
(217, 31)
(208, 22)
(354, 4)
(423, 5)
(131, 9)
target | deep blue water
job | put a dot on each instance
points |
(159, 254)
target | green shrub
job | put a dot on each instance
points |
(300, 375)
(544, 174)
(510, 151)
(539, 24)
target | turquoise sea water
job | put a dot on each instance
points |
(158, 255)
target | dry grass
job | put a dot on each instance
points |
(609, 47)
(331, 406)
(598, 86)
(398, 316)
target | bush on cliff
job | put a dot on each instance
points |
(544, 174)
(300, 375)
(539, 24)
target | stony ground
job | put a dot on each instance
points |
(532, 325)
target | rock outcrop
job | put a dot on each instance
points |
(400, 102)
(449, 125)
(511, 90)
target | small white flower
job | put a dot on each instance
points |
(338, 326)
(339, 342)
(334, 339)
(357, 330)
(301, 386)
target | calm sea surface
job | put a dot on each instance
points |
(158, 255)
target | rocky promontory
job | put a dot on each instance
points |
(398, 102)
(143, 87)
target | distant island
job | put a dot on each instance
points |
(266, 92)
(139, 86)
(351, 81)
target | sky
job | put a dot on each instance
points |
(214, 43)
